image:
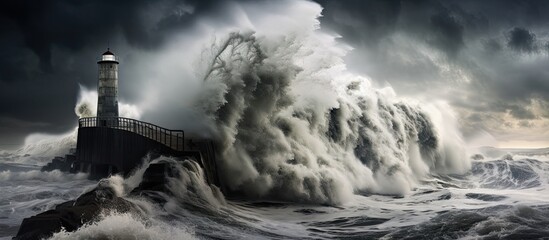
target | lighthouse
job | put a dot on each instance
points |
(107, 87)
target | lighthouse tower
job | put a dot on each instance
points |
(107, 87)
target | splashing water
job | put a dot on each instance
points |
(293, 125)
(279, 142)
(40, 148)
(86, 106)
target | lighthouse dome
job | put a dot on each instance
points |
(108, 56)
(108, 52)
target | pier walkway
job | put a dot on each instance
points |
(173, 139)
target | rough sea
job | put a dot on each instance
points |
(312, 150)
(503, 197)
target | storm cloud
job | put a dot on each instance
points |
(487, 59)
(521, 39)
(50, 47)
(483, 57)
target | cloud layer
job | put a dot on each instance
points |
(487, 59)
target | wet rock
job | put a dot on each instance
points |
(63, 164)
(73, 214)
(87, 208)
(155, 178)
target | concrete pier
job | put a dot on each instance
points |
(112, 145)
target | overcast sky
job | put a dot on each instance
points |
(488, 59)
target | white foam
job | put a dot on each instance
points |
(53, 176)
(294, 124)
(126, 226)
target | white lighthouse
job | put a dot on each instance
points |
(107, 87)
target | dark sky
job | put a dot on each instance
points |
(488, 59)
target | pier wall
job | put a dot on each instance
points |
(103, 151)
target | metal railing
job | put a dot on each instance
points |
(173, 139)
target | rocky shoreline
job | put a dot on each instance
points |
(88, 207)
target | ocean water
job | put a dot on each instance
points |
(505, 197)
(312, 150)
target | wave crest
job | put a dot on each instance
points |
(279, 140)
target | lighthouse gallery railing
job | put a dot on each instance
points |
(173, 139)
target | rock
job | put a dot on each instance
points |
(73, 214)
(87, 208)
(154, 178)
(62, 164)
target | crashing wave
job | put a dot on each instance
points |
(39, 148)
(292, 124)
(186, 183)
(128, 226)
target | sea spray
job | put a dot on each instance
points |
(279, 141)
(86, 105)
(39, 148)
(185, 181)
(190, 186)
(186, 186)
